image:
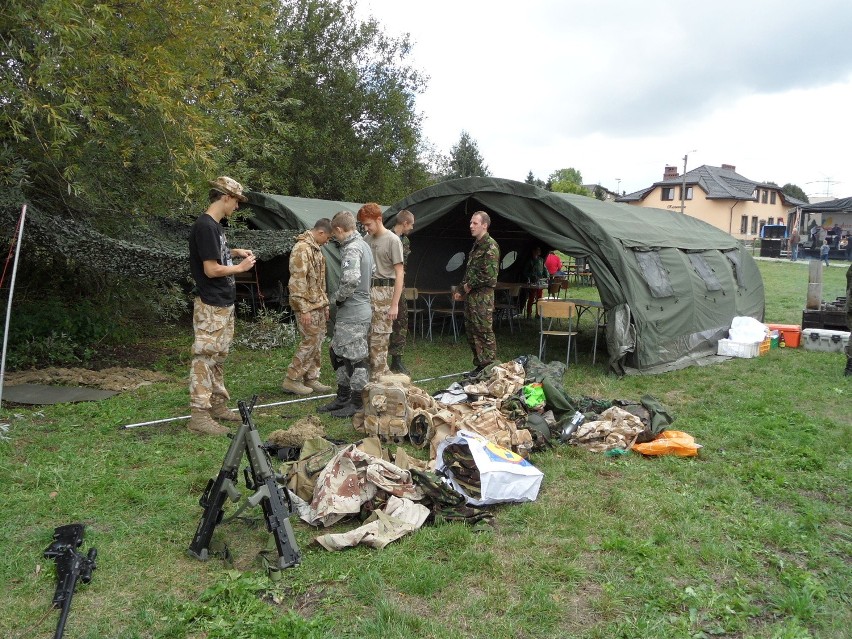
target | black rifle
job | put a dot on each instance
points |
(273, 499)
(70, 566)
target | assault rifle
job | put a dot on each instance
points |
(273, 499)
(70, 566)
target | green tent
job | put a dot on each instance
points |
(671, 284)
(286, 212)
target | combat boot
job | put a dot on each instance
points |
(355, 405)
(848, 371)
(317, 386)
(397, 366)
(295, 387)
(342, 399)
(201, 423)
(219, 410)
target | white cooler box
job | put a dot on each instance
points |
(819, 339)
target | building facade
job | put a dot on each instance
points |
(719, 196)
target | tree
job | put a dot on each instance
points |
(532, 179)
(465, 159)
(567, 181)
(119, 106)
(354, 131)
(794, 191)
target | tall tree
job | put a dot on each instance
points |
(567, 181)
(465, 159)
(355, 133)
(532, 179)
(795, 191)
(122, 105)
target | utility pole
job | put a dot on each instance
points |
(683, 184)
(618, 186)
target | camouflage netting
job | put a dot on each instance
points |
(157, 251)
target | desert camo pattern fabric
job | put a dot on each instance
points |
(213, 327)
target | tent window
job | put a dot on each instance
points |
(508, 260)
(455, 262)
(655, 275)
(705, 272)
(734, 259)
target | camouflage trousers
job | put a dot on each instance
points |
(849, 324)
(400, 330)
(381, 328)
(213, 327)
(306, 360)
(478, 318)
(349, 342)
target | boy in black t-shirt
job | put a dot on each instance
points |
(213, 312)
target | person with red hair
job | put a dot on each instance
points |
(386, 288)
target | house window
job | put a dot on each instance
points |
(754, 225)
(756, 195)
(763, 199)
(771, 220)
(668, 193)
(744, 224)
(772, 198)
(688, 193)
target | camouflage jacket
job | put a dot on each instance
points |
(483, 263)
(406, 249)
(307, 275)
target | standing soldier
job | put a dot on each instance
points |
(349, 349)
(386, 290)
(213, 309)
(848, 371)
(404, 225)
(480, 278)
(309, 302)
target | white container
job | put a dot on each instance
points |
(731, 348)
(820, 339)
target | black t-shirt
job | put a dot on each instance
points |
(207, 242)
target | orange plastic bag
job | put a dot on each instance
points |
(669, 442)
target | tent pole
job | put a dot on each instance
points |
(289, 401)
(9, 304)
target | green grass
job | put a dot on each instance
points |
(750, 539)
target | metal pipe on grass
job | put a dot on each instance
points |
(289, 401)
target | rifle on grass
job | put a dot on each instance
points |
(70, 567)
(272, 498)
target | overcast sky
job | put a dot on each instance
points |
(620, 88)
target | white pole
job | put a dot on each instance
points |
(289, 401)
(9, 305)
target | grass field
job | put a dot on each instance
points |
(752, 538)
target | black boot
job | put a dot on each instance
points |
(342, 399)
(848, 371)
(397, 366)
(355, 405)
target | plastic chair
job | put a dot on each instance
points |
(553, 312)
(451, 312)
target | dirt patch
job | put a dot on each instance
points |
(113, 379)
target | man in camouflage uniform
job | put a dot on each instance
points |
(848, 371)
(349, 350)
(386, 290)
(213, 313)
(309, 302)
(477, 287)
(404, 225)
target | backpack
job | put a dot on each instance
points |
(386, 413)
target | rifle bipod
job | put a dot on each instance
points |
(273, 499)
(70, 566)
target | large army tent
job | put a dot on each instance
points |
(671, 284)
(285, 212)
